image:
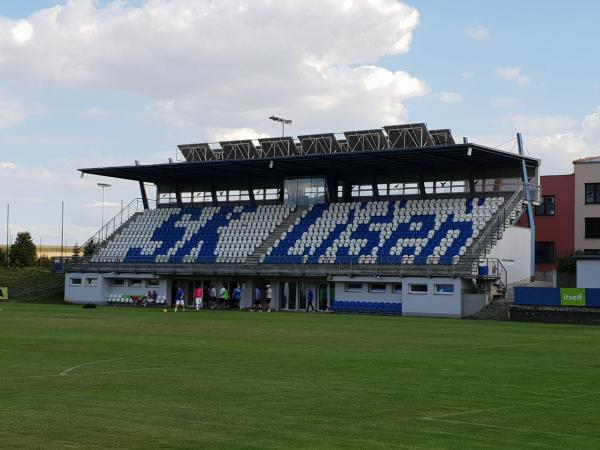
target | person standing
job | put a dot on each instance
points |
(179, 299)
(237, 297)
(257, 300)
(223, 296)
(310, 296)
(199, 297)
(213, 296)
(268, 297)
(324, 304)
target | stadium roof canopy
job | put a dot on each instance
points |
(457, 161)
(408, 153)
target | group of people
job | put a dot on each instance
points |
(214, 300)
(259, 302)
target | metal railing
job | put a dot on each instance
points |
(500, 221)
(128, 211)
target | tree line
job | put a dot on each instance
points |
(23, 252)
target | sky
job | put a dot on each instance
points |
(88, 83)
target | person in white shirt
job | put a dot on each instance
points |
(268, 297)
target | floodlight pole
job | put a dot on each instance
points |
(62, 230)
(530, 215)
(103, 186)
(283, 123)
(7, 232)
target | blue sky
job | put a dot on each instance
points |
(103, 83)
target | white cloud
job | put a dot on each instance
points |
(234, 134)
(12, 113)
(22, 32)
(559, 139)
(478, 33)
(450, 97)
(467, 75)
(7, 165)
(278, 58)
(513, 74)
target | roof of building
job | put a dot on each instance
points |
(589, 159)
(448, 162)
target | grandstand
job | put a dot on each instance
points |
(397, 220)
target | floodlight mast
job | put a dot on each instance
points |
(103, 186)
(283, 121)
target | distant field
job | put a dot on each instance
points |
(135, 378)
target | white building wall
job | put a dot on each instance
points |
(85, 293)
(514, 251)
(430, 303)
(588, 273)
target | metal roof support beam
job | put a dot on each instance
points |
(251, 193)
(347, 191)
(213, 194)
(332, 189)
(144, 196)
(472, 192)
(375, 188)
(422, 192)
(178, 195)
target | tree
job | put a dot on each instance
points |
(23, 252)
(76, 250)
(2, 258)
(88, 248)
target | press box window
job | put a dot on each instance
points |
(118, 283)
(444, 289)
(354, 287)
(153, 283)
(135, 283)
(397, 288)
(75, 281)
(377, 287)
(91, 281)
(592, 227)
(418, 288)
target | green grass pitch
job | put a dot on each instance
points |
(140, 378)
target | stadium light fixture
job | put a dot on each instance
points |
(469, 151)
(103, 186)
(283, 122)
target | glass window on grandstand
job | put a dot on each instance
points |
(546, 207)
(592, 227)
(91, 282)
(75, 281)
(118, 283)
(202, 197)
(166, 195)
(592, 193)
(186, 194)
(377, 287)
(418, 288)
(397, 288)
(544, 252)
(152, 283)
(354, 287)
(443, 289)
(135, 283)
(304, 191)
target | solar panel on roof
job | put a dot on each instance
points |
(408, 136)
(366, 140)
(319, 144)
(197, 152)
(273, 147)
(243, 149)
(442, 137)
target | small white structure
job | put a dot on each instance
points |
(588, 271)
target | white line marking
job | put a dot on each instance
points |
(70, 369)
(502, 427)
(518, 405)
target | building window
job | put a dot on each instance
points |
(135, 283)
(91, 281)
(544, 252)
(354, 287)
(547, 207)
(152, 283)
(118, 283)
(377, 287)
(444, 289)
(397, 288)
(592, 227)
(417, 288)
(592, 193)
(75, 281)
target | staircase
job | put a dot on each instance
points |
(254, 258)
(497, 309)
